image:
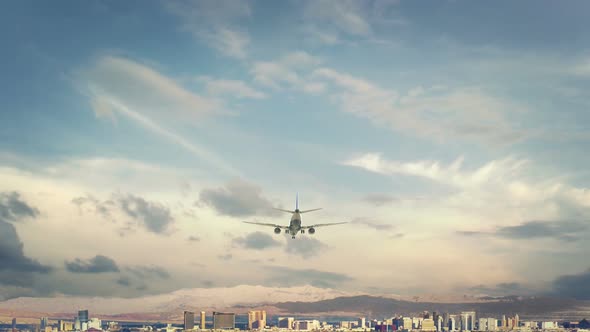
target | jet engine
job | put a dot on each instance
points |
(278, 230)
(311, 230)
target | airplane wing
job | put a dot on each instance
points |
(322, 225)
(265, 224)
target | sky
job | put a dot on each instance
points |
(136, 136)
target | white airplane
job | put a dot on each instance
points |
(295, 224)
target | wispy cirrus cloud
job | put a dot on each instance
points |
(436, 113)
(372, 224)
(503, 188)
(118, 86)
(290, 71)
(216, 23)
(231, 88)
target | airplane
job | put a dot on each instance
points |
(295, 223)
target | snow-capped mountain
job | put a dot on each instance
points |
(196, 298)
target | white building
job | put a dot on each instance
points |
(306, 325)
(95, 323)
(286, 322)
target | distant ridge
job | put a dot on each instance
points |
(302, 301)
(374, 306)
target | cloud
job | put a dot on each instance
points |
(193, 238)
(13, 208)
(120, 86)
(344, 16)
(238, 198)
(148, 272)
(501, 289)
(124, 281)
(560, 230)
(336, 22)
(453, 174)
(372, 224)
(99, 207)
(436, 113)
(288, 277)
(225, 257)
(288, 71)
(214, 22)
(576, 285)
(16, 269)
(231, 88)
(97, 264)
(256, 241)
(379, 199)
(564, 230)
(140, 87)
(306, 247)
(155, 217)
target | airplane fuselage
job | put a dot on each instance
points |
(295, 224)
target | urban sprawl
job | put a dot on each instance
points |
(257, 321)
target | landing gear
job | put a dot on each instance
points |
(303, 231)
(293, 236)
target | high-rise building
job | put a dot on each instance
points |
(203, 320)
(44, 322)
(407, 322)
(285, 322)
(83, 316)
(223, 320)
(256, 319)
(95, 323)
(428, 325)
(439, 323)
(189, 320)
(492, 324)
(516, 321)
(468, 321)
(361, 322)
(306, 325)
(453, 320)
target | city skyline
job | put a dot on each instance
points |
(135, 137)
(424, 321)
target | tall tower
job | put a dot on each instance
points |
(189, 320)
(203, 320)
(83, 316)
(14, 325)
(256, 319)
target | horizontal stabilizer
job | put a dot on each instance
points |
(288, 211)
(305, 211)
